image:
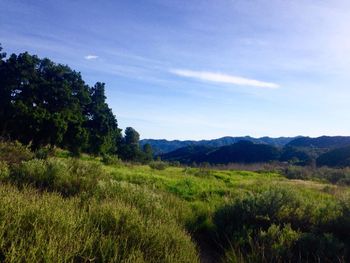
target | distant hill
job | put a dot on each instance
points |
(243, 152)
(189, 154)
(165, 146)
(328, 142)
(326, 150)
(339, 157)
(240, 152)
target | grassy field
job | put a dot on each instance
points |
(70, 210)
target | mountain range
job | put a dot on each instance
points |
(163, 146)
(324, 150)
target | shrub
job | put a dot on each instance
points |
(44, 153)
(276, 243)
(344, 181)
(257, 211)
(273, 225)
(111, 160)
(331, 175)
(297, 172)
(4, 171)
(32, 172)
(203, 172)
(60, 153)
(158, 165)
(321, 247)
(79, 176)
(14, 152)
(175, 164)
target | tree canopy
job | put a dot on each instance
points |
(45, 103)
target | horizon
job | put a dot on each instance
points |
(200, 70)
(259, 137)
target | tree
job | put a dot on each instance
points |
(147, 153)
(2, 54)
(4, 95)
(102, 124)
(131, 136)
(130, 149)
(43, 103)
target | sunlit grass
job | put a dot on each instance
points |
(84, 210)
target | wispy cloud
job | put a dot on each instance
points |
(223, 78)
(89, 57)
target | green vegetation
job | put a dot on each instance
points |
(74, 189)
(64, 209)
(241, 152)
(43, 227)
(324, 174)
(44, 104)
(303, 151)
(68, 209)
(339, 157)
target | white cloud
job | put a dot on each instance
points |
(89, 57)
(223, 78)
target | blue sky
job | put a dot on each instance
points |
(200, 69)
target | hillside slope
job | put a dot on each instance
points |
(329, 142)
(240, 152)
(339, 157)
(164, 146)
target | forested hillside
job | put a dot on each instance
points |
(165, 146)
(326, 152)
(328, 142)
(339, 157)
(240, 152)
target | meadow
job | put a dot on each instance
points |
(54, 208)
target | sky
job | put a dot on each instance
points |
(200, 69)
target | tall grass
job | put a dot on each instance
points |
(14, 152)
(79, 210)
(68, 177)
(45, 227)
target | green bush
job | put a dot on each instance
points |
(175, 164)
(273, 225)
(4, 171)
(344, 181)
(276, 243)
(331, 175)
(158, 165)
(111, 160)
(44, 153)
(297, 172)
(60, 153)
(32, 172)
(322, 247)
(256, 210)
(203, 172)
(14, 152)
